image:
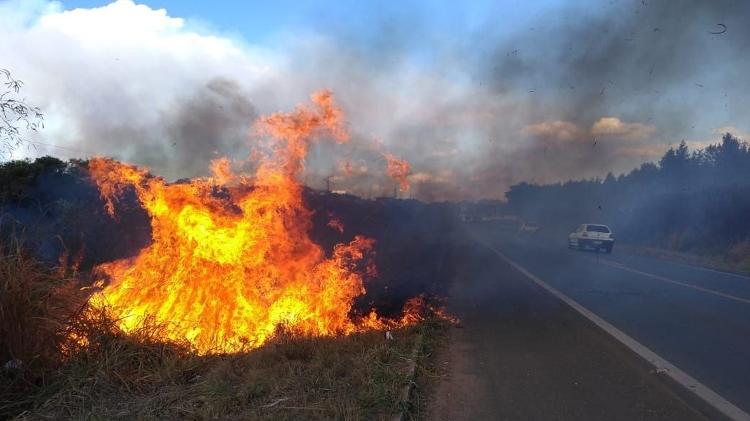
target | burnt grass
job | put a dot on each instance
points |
(56, 210)
(413, 241)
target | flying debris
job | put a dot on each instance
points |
(723, 29)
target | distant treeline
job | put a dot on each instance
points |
(690, 201)
(57, 212)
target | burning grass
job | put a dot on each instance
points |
(231, 256)
(231, 311)
(81, 364)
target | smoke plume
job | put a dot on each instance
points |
(578, 91)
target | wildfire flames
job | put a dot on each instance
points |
(230, 258)
(398, 169)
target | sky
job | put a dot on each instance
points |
(475, 95)
(261, 21)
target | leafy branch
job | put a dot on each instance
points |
(15, 114)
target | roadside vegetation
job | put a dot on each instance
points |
(693, 203)
(736, 260)
(60, 362)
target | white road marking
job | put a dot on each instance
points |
(621, 266)
(722, 272)
(698, 267)
(661, 365)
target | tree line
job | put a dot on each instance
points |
(691, 201)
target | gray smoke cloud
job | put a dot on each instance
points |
(655, 64)
(583, 90)
(580, 92)
(212, 121)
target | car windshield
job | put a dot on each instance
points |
(597, 228)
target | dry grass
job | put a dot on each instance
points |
(356, 377)
(36, 305)
(138, 376)
(735, 259)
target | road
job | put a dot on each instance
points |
(524, 354)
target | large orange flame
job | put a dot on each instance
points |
(231, 259)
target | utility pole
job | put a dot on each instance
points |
(328, 183)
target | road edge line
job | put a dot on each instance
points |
(698, 389)
(622, 266)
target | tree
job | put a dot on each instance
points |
(15, 114)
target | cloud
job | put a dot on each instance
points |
(614, 127)
(735, 131)
(556, 130)
(568, 131)
(129, 81)
(650, 152)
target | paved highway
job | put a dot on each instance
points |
(695, 318)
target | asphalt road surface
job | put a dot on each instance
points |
(524, 354)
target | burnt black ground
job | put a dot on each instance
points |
(523, 355)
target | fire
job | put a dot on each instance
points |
(398, 169)
(347, 168)
(336, 224)
(231, 259)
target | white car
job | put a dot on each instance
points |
(593, 236)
